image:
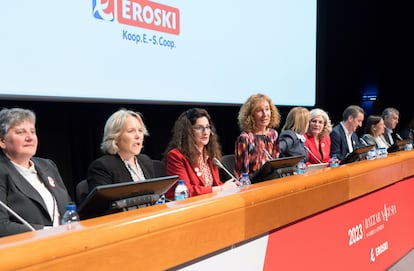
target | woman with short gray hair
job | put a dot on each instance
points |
(30, 186)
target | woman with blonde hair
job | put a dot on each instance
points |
(292, 138)
(318, 141)
(122, 161)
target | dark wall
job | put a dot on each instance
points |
(361, 45)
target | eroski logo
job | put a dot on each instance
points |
(103, 9)
(139, 13)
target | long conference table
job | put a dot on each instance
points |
(358, 216)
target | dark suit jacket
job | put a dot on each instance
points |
(177, 164)
(339, 144)
(290, 145)
(21, 197)
(109, 169)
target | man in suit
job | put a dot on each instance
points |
(391, 116)
(344, 140)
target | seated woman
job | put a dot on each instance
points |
(189, 154)
(122, 143)
(292, 138)
(318, 141)
(31, 186)
(258, 118)
(373, 132)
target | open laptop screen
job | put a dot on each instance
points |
(357, 155)
(398, 145)
(117, 197)
(276, 168)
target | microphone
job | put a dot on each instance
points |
(398, 136)
(268, 154)
(17, 216)
(313, 155)
(220, 165)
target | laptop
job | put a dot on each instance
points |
(118, 197)
(276, 168)
(398, 145)
(316, 167)
(357, 155)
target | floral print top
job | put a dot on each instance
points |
(252, 151)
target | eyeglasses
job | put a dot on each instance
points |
(201, 128)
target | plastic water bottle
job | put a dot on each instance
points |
(301, 167)
(334, 161)
(181, 191)
(382, 152)
(372, 154)
(70, 215)
(408, 146)
(245, 179)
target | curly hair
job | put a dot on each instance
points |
(246, 113)
(183, 136)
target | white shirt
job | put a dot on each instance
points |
(348, 138)
(30, 174)
(136, 176)
(388, 133)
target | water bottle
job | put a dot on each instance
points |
(245, 179)
(382, 152)
(408, 146)
(301, 167)
(334, 161)
(70, 215)
(181, 191)
(372, 154)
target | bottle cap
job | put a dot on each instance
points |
(181, 182)
(71, 207)
(244, 174)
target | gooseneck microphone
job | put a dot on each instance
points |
(313, 155)
(17, 216)
(220, 165)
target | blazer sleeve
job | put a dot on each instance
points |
(177, 164)
(286, 141)
(336, 143)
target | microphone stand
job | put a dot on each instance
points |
(17, 216)
(220, 165)
(313, 155)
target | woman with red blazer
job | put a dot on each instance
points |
(190, 154)
(318, 141)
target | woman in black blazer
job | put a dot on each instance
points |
(121, 144)
(32, 187)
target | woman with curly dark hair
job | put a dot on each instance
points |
(190, 154)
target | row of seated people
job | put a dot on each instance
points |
(34, 188)
(194, 143)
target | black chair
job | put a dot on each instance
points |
(159, 168)
(228, 162)
(82, 191)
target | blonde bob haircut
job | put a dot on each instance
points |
(246, 113)
(297, 120)
(113, 128)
